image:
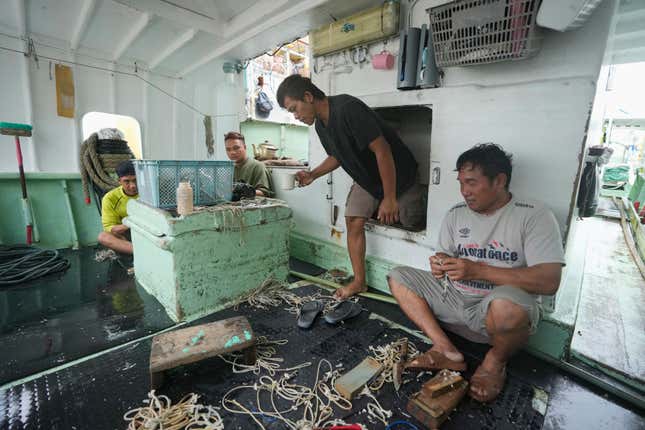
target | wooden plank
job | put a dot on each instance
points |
(432, 411)
(196, 343)
(354, 380)
(629, 240)
(444, 381)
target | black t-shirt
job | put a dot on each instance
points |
(352, 126)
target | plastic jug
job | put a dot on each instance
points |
(184, 198)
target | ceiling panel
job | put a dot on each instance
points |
(201, 45)
(229, 9)
(298, 26)
(56, 19)
(154, 39)
(112, 22)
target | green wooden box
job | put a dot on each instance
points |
(203, 262)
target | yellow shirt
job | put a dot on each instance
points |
(114, 208)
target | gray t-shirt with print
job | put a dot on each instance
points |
(523, 233)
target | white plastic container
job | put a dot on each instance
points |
(284, 180)
(184, 198)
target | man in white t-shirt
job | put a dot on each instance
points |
(496, 252)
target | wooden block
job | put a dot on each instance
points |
(433, 411)
(442, 382)
(354, 380)
(197, 343)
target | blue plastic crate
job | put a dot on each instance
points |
(157, 181)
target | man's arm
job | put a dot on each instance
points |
(307, 177)
(538, 279)
(109, 218)
(388, 211)
(261, 182)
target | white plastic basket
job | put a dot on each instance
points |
(467, 32)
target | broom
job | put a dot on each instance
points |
(18, 130)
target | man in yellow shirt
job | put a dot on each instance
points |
(115, 234)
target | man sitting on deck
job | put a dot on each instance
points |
(496, 252)
(115, 234)
(247, 170)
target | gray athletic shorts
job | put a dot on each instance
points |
(412, 207)
(458, 310)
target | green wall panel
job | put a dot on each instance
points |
(49, 210)
(296, 143)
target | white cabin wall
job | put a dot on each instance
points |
(169, 129)
(16, 105)
(536, 109)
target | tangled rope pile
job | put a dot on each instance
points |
(105, 254)
(161, 414)
(272, 293)
(316, 404)
(20, 264)
(265, 351)
(388, 355)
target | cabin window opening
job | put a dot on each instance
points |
(94, 121)
(277, 127)
(414, 125)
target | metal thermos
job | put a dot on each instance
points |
(408, 56)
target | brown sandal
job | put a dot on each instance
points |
(434, 360)
(491, 383)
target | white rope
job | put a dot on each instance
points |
(265, 351)
(161, 414)
(387, 356)
(374, 408)
(315, 403)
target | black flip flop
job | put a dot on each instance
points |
(308, 313)
(343, 311)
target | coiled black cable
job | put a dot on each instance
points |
(20, 264)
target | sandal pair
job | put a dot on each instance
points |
(342, 311)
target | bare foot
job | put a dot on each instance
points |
(488, 380)
(350, 290)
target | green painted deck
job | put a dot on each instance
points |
(610, 328)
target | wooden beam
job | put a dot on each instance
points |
(138, 27)
(174, 46)
(627, 234)
(87, 12)
(301, 7)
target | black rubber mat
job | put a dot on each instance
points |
(95, 394)
(59, 318)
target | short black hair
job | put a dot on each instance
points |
(234, 135)
(125, 168)
(295, 86)
(489, 157)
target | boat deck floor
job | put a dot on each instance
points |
(75, 353)
(610, 327)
